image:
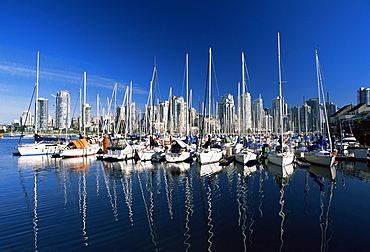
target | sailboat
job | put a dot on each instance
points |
(281, 155)
(81, 147)
(209, 155)
(41, 145)
(321, 156)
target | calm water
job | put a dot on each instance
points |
(83, 204)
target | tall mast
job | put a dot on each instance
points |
(209, 88)
(243, 95)
(81, 119)
(239, 113)
(37, 90)
(187, 93)
(321, 91)
(97, 113)
(280, 91)
(83, 106)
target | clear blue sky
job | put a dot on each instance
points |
(117, 41)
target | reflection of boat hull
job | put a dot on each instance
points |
(330, 173)
(209, 169)
(281, 171)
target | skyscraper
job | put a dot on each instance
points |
(257, 115)
(62, 110)
(26, 118)
(226, 112)
(245, 113)
(363, 96)
(43, 111)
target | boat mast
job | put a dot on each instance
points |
(280, 92)
(97, 114)
(243, 95)
(209, 88)
(83, 106)
(37, 90)
(187, 93)
(321, 91)
(239, 113)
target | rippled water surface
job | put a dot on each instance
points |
(52, 204)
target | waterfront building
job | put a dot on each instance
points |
(178, 114)
(43, 113)
(192, 120)
(331, 108)
(86, 115)
(226, 112)
(245, 113)
(267, 121)
(315, 114)
(163, 109)
(62, 110)
(276, 115)
(26, 118)
(119, 122)
(363, 96)
(257, 115)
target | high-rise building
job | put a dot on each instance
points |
(86, 115)
(178, 109)
(331, 108)
(257, 115)
(245, 113)
(163, 107)
(63, 110)
(26, 118)
(316, 114)
(363, 96)
(43, 113)
(226, 112)
(276, 113)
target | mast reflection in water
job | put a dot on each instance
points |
(86, 204)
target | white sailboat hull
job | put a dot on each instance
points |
(83, 152)
(39, 149)
(209, 156)
(281, 159)
(177, 157)
(320, 158)
(245, 157)
(117, 154)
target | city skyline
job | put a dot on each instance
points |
(121, 42)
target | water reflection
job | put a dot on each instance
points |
(282, 175)
(359, 170)
(209, 169)
(326, 179)
(245, 202)
(209, 178)
(189, 206)
(35, 164)
(179, 206)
